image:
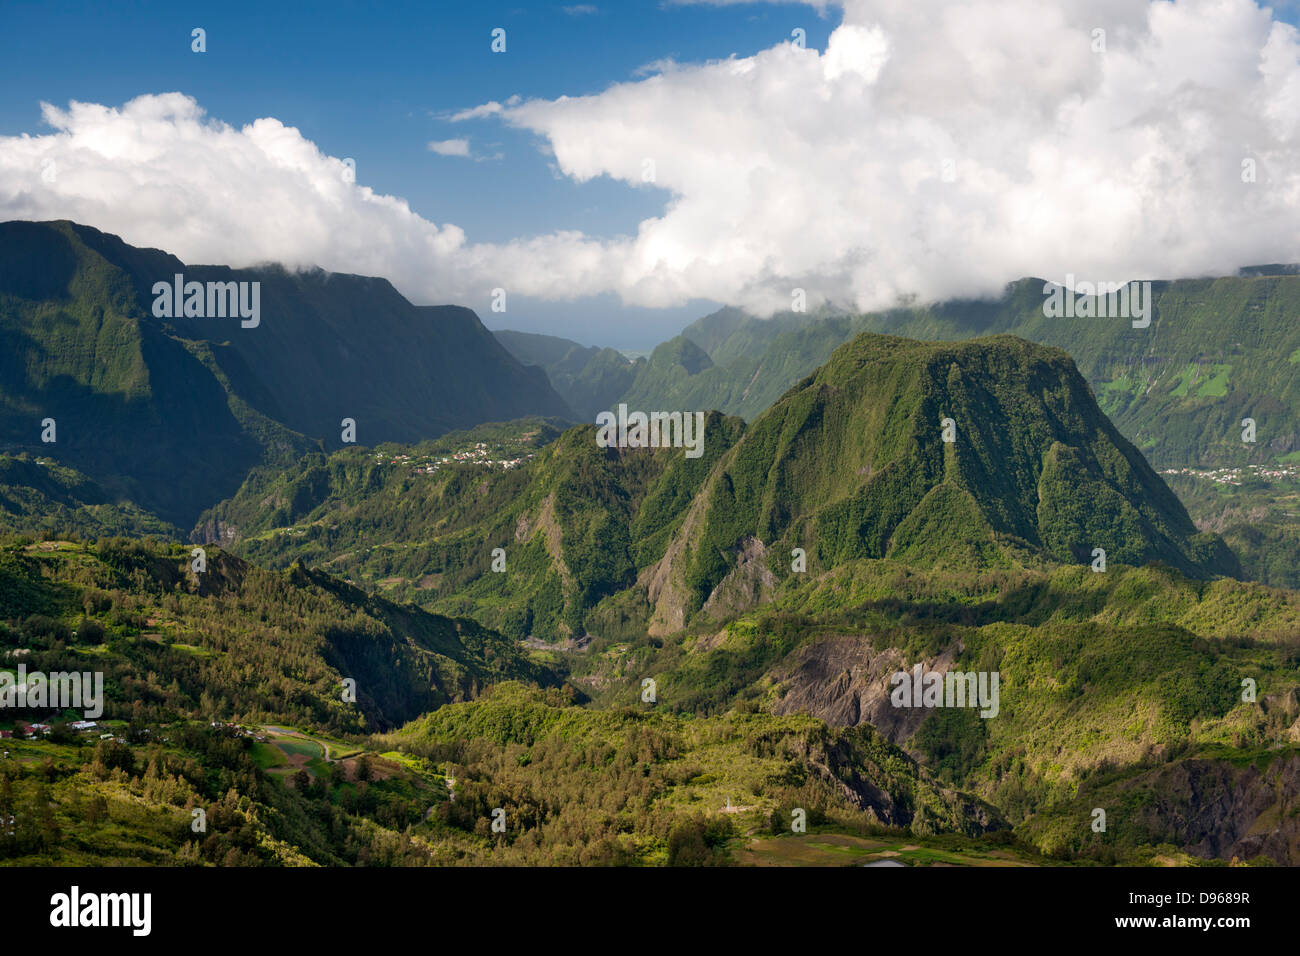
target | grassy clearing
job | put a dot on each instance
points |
(193, 649)
(335, 748)
(841, 849)
(1217, 385)
(296, 746)
(338, 749)
(1185, 379)
(267, 756)
(1213, 382)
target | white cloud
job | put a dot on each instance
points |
(450, 147)
(661, 65)
(480, 112)
(933, 149)
(939, 149)
(159, 174)
(580, 9)
(855, 50)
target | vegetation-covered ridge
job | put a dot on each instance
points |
(1217, 351)
(851, 463)
(971, 453)
(222, 696)
(171, 413)
(236, 642)
(1140, 691)
(589, 379)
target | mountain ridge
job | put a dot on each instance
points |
(850, 464)
(140, 400)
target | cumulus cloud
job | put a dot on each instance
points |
(936, 150)
(931, 150)
(159, 173)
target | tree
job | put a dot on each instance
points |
(49, 827)
(96, 809)
(686, 845)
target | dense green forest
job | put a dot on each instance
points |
(191, 659)
(1119, 689)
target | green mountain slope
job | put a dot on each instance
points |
(1169, 702)
(143, 404)
(40, 495)
(664, 779)
(852, 463)
(576, 522)
(1121, 690)
(183, 658)
(756, 362)
(222, 692)
(589, 379)
(238, 641)
(1255, 509)
(1216, 351)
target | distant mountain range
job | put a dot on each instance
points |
(590, 379)
(172, 411)
(139, 399)
(1217, 351)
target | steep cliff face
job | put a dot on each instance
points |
(172, 410)
(868, 774)
(845, 682)
(1211, 807)
(1218, 809)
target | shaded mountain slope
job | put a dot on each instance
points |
(590, 379)
(171, 413)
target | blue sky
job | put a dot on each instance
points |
(910, 150)
(375, 82)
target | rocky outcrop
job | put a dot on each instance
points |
(1216, 808)
(215, 531)
(748, 584)
(845, 682)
